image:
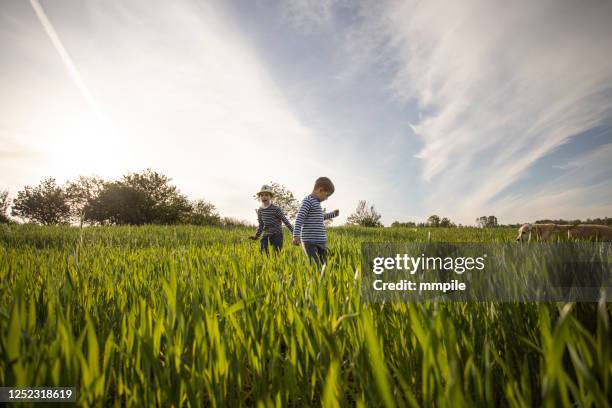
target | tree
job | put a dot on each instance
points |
(167, 204)
(139, 198)
(119, 204)
(481, 221)
(445, 222)
(364, 216)
(433, 221)
(156, 186)
(4, 205)
(492, 221)
(45, 204)
(81, 192)
(487, 221)
(203, 213)
(284, 199)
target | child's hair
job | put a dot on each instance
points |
(326, 184)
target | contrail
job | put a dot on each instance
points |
(61, 50)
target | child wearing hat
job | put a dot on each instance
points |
(270, 217)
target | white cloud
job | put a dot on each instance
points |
(186, 96)
(500, 86)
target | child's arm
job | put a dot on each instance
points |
(302, 212)
(285, 220)
(330, 215)
(260, 227)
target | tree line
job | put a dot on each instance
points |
(433, 221)
(599, 221)
(149, 197)
(490, 221)
(135, 199)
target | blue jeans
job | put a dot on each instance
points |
(316, 252)
(276, 240)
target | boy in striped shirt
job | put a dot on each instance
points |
(309, 228)
(270, 217)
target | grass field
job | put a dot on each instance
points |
(144, 316)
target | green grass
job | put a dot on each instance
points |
(145, 316)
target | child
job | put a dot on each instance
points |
(270, 217)
(309, 228)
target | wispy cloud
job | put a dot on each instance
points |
(582, 191)
(309, 15)
(499, 86)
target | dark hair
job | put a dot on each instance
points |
(326, 184)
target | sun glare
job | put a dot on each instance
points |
(80, 143)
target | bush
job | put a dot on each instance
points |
(364, 216)
(203, 213)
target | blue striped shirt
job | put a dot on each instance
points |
(309, 225)
(270, 220)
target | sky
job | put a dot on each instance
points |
(459, 109)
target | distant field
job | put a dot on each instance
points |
(145, 316)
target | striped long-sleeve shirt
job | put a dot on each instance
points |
(309, 225)
(270, 219)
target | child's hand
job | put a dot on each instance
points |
(253, 237)
(296, 241)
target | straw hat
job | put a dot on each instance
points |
(265, 189)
